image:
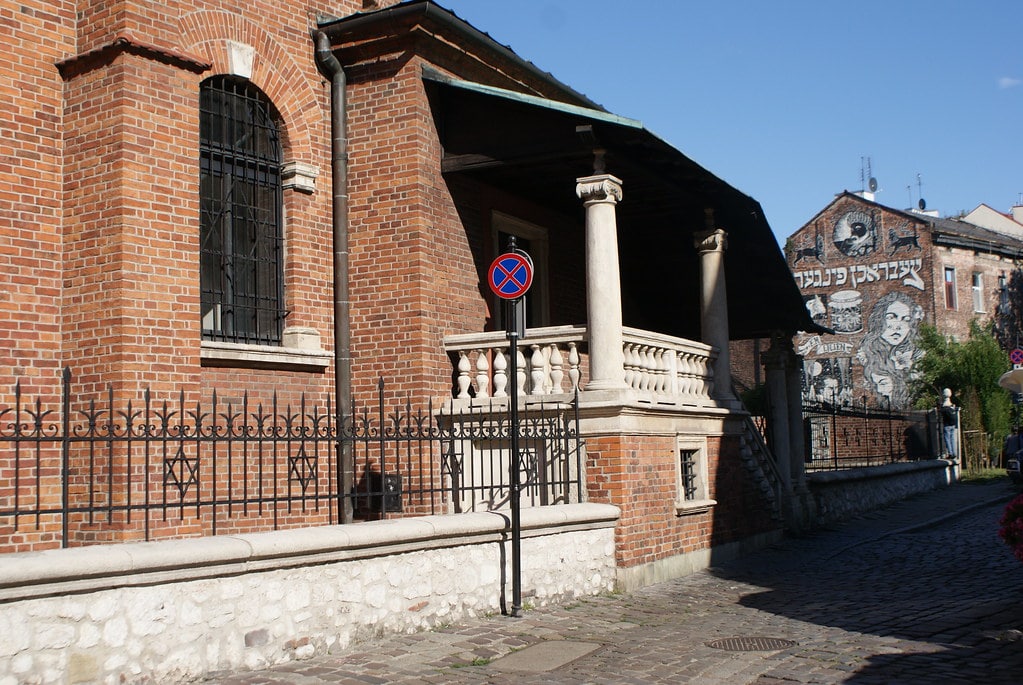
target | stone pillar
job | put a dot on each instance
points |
(797, 435)
(711, 245)
(776, 386)
(600, 194)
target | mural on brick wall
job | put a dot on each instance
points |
(859, 269)
(888, 351)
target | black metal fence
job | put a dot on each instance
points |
(145, 469)
(843, 436)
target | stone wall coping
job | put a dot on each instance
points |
(869, 472)
(84, 569)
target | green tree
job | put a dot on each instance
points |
(1009, 313)
(971, 369)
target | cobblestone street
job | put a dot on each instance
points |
(920, 592)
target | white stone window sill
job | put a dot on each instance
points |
(215, 353)
(694, 506)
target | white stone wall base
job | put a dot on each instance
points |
(176, 611)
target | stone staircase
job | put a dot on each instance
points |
(759, 461)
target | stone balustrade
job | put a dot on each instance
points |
(553, 360)
(671, 369)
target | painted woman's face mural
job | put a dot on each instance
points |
(888, 350)
(855, 234)
(898, 322)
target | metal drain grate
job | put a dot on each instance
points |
(751, 644)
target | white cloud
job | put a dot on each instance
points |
(1008, 82)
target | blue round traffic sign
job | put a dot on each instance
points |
(1016, 356)
(510, 275)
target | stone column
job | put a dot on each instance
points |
(797, 436)
(711, 245)
(776, 386)
(600, 194)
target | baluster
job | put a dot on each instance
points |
(573, 366)
(646, 368)
(482, 374)
(700, 369)
(671, 371)
(685, 372)
(520, 369)
(662, 371)
(556, 369)
(500, 373)
(630, 365)
(708, 378)
(536, 371)
(463, 375)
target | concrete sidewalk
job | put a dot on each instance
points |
(922, 591)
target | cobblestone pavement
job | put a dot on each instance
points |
(923, 591)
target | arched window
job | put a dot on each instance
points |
(241, 236)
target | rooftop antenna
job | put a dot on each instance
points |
(867, 180)
(922, 204)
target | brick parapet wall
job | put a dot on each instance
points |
(636, 471)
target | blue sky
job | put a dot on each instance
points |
(786, 100)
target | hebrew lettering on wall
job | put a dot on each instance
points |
(903, 271)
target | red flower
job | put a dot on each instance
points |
(1012, 526)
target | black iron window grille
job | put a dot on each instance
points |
(241, 236)
(687, 462)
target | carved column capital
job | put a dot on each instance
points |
(715, 240)
(781, 354)
(602, 188)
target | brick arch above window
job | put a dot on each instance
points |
(285, 72)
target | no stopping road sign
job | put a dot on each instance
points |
(510, 275)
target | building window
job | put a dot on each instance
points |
(950, 288)
(687, 466)
(531, 239)
(241, 232)
(691, 478)
(1003, 294)
(978, 292)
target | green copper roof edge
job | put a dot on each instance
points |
(434, 75)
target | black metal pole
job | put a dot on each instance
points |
(513, 383)
(65, 455)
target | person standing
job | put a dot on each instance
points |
(949, 424)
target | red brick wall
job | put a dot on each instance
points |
(638, 474)
(101, 258)
(956, 322)
(36, 34)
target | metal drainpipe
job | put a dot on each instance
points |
(339, 214)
